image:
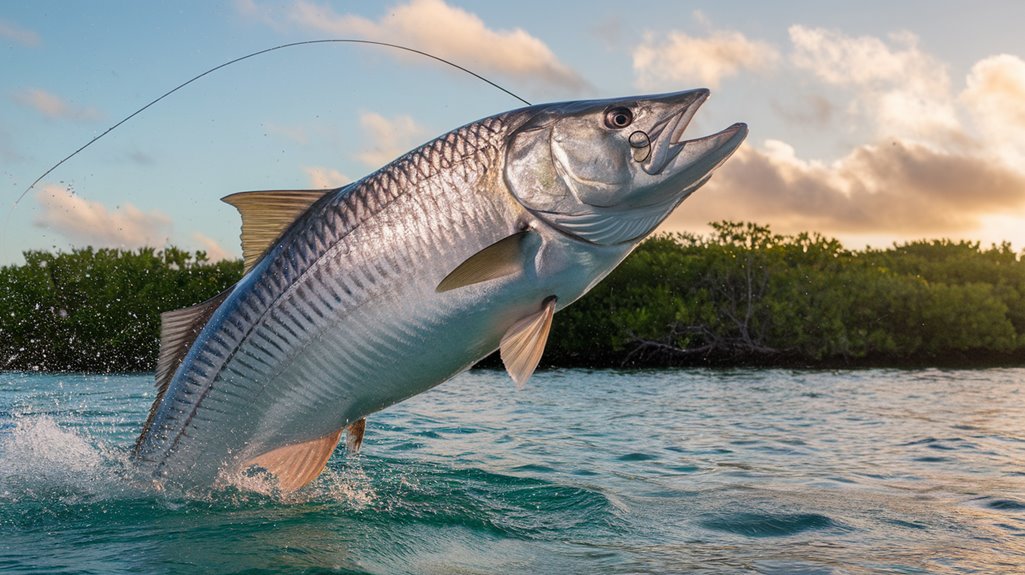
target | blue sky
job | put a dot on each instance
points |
(870, 121)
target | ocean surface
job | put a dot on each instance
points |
(592, 472)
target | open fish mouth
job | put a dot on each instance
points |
(681, 174)
(666, 138)
(666, 135)
(686, 164)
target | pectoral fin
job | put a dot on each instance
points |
(502, 258)
(298, 464)
(524, 343)
(354, 435)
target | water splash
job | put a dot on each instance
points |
(47, 464)
(349, 485)
(42, 460)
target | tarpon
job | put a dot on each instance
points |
(359, 297)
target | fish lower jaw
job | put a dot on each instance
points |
(606, 228)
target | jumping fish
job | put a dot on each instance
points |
(359, 297)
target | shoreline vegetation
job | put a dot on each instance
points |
(739, 296)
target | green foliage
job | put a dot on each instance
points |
(742, 294)
(746, 295)
(99, 309)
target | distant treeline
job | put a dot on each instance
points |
(739, 296)
(746, 296)
(99, 309)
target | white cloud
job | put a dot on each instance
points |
(53, 106)
(214, 251)
(903, 91)
(265, 14)
(445, 31)
(940, 160)
(995, 99)
(18, 35)
(391, 137)
(91, 223)
(326, 178)
(838, 58)
(900, 189)
(907, 95)
(678, 59)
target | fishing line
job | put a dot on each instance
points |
(246, 57)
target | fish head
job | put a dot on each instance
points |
(609, 171)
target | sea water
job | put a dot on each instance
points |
(681, 471)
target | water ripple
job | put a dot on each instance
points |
(704, 471)
(767, 524)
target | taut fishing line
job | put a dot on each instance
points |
(236, 60)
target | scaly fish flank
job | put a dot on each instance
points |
(359, 297)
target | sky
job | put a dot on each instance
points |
(872, 122)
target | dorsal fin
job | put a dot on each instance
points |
(178, 331)
(524, 343)
(266, 214)
(297, 464)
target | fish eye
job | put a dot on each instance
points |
(618, 117)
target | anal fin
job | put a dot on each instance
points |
(354, 435)
(524, 343)
(297, 464)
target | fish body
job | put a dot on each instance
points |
(384, 288)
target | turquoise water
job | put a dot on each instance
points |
(740, 471)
